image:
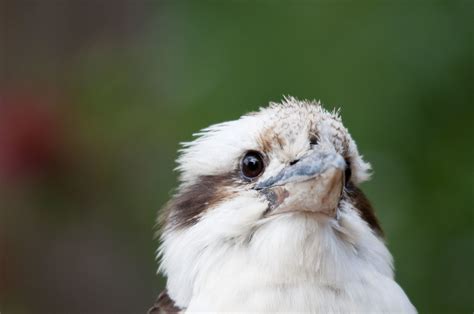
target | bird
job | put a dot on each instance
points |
(269, 216)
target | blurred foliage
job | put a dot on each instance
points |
(141, 77)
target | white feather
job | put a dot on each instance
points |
(292, 264)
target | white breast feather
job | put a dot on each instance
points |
(290, 265)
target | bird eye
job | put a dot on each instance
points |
(252, 164)
(348, 172)
(313, 139)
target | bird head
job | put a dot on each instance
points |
(271, 180)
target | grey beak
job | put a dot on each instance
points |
(305, 169)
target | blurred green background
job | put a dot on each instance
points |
(96, 96)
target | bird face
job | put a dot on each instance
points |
(293, 158)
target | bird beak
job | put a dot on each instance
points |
(312, 184)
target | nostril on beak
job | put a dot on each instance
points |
(294, 162)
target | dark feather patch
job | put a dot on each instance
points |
(362, 204)
(187, 206)
(164, 305)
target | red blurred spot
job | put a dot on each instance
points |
(29, 136)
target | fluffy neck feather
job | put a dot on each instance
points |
(284, 251)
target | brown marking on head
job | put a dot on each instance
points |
(268, 138)
(279, 140)
(265, 143)
(362, 204)
(187, 206)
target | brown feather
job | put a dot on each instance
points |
(164, 305)
(362, 204)
(188, 205)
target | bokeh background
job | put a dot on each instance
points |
(96, 95)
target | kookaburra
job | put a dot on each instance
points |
(268, 217)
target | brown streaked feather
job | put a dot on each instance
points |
(362, 204)
(268, 138)
(164, 305)
(187, 206)
(265, 143)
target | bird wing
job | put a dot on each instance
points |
(164, 305)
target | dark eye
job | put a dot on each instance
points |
(313, 139)
(252, 164)
(348, 172)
